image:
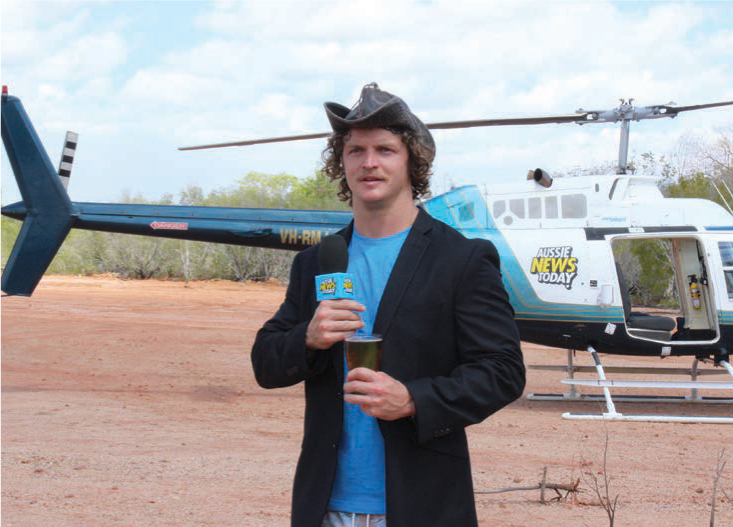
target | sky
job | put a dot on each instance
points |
(137, 80)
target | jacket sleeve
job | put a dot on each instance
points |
(488, 372)
(279, 354)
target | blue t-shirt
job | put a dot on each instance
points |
(360, 479)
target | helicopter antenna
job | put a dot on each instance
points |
(725, 200)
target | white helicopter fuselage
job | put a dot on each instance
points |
(557, 244)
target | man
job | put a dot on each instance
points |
(389, 447)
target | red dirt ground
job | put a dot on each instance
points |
(129, 403)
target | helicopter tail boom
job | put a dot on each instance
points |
(46, 210)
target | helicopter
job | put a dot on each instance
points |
(557, 239)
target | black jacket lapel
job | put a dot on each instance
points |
(412, 251)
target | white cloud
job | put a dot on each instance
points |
(168, 87)
(89, 55)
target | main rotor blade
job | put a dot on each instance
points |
(582, 117)
(512, 121)
(677, 109)
(260, 141)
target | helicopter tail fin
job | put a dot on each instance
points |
(46, 210)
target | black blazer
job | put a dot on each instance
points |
(448, 334)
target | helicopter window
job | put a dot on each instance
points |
(517, 207)
(466, 212)
(726, 254)
(574, 206)
(551, 207)
(499, 208)
(534, 207)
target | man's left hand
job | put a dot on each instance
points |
(378, 394)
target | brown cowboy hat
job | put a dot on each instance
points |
(378, 109)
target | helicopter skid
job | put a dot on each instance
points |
(606, 384)
(586, 397)
(650, 418)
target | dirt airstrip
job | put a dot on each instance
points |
(132, 403)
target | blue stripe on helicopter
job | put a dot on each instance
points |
(720, 228)
(465, 209)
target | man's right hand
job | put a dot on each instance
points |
(333, 321)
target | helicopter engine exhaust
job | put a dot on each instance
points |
(540, 176)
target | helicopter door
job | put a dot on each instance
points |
(696, 299)
(664, 289)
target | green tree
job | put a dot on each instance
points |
(317, 192)
(10, 229)
(649, 274)
(192, 195)
(693, 186)
(649, 164)
(257, 190)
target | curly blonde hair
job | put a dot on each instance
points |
(419, 164)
